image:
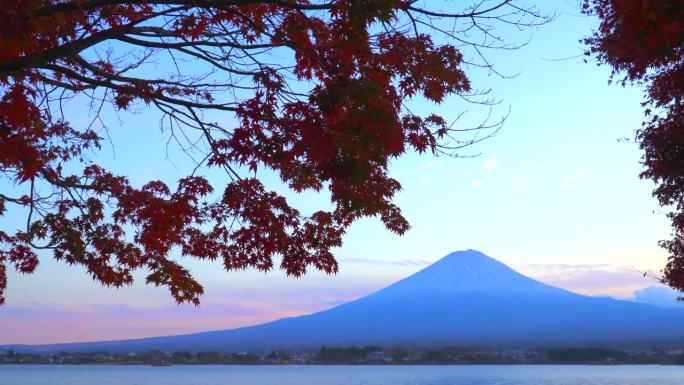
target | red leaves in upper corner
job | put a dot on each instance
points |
(644, 40)
(334, 117)
(637, 36)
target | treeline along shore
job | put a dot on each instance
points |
(366, 355)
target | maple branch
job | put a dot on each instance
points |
(72, 47)
(72, 6)
(131, 89)
(318, 97)
(471, 14)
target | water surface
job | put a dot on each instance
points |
(341, 375)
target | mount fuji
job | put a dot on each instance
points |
(465, 298)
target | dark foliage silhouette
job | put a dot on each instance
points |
(643, 41)
(316, 91)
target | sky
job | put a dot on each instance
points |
(555, 194)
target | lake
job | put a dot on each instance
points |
(341, 375)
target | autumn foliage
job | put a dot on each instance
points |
(643, 41)
(318, 90)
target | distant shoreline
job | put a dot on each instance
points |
(359, 356)
(351, 364)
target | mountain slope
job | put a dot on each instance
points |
(464, 298)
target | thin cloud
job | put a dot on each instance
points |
(45, 323)
(477, 183)
(571, 179)
(435, 163)
(519, 184)
(491, 163)
(590, 279)
(391, 262)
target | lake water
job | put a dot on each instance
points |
(341, 375)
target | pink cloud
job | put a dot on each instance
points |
(40, 323)
(591, 279)
(226, 307)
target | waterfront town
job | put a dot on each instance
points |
(367, 355)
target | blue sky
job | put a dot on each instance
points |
(555, 194)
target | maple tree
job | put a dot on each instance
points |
(318, 90)
(643, 41)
